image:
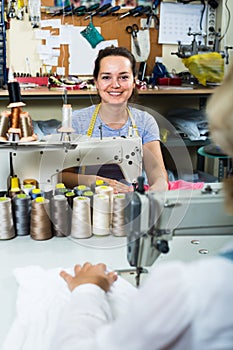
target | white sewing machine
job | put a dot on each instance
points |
(154, 218)
(43, 160)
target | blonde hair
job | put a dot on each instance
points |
(220, 114)
(220, 118)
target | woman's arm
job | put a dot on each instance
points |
(154, 166)
(157, 316)
(72, 179)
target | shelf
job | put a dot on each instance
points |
(45, 93)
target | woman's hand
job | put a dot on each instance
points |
(118, 187)
(88, 273)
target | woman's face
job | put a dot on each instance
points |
(115, 82)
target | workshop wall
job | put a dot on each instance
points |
(22, 52)
(22, 45)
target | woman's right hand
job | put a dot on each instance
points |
(118, 187)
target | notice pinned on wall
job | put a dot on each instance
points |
(176, 19)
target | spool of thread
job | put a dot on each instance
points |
(61, 191)
(80, 189)
(60, 216)
(60, 185)
(98, 183)
(66, 119)
(108, 190)
(47, 190)
(35, 193)
(67, 116)
(6, 218)
(4, 125)
(40, 225)
(31, 182)
(81, 218)
(14, 94)
(101, 215)
(118, 220)
(70, 195)
(27, 188)
(25, 124)
(22, 214)
(14, 134)
(15, 113)
(90, 195)
(14, 186)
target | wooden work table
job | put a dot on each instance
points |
(44, 92)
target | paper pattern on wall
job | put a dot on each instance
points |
(82, 55)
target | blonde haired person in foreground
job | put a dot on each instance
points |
(181, 306)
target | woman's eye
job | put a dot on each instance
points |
(105, 77)
(125, 77)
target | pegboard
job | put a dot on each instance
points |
(111, 28)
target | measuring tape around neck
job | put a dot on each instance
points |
(94, 116)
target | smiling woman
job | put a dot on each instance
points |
(114, 75)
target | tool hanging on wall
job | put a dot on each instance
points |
(77, 10)
(153, 15)
(34, 8)
(109, 12)
(20, 10)
(66, 10)
(91, 34)
(98, 11)
(131, 12)
(143, 11)
(133, 30)
(93, 8)
(11, 11)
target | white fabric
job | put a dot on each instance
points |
(42, 295)
(180, 307)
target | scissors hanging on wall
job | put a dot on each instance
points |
(133, 30)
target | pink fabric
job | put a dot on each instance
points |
(185, 185)
(181, 185)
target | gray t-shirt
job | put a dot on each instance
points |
(146, 124)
